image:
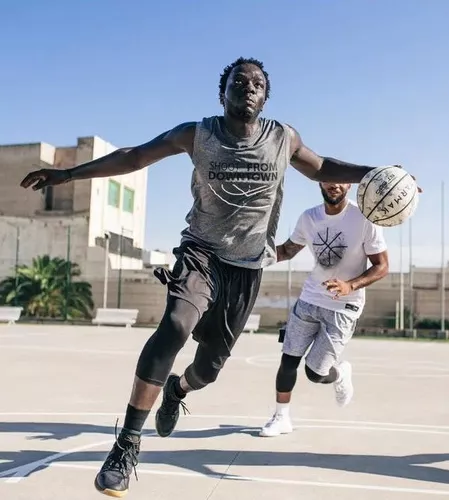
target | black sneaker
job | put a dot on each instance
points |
(113, 478)
(168, 413)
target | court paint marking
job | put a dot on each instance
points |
(27, 347)
(20, 472)
(353, 423)
(433, 369)
(256, 479)
(22, 335)
(272, 360)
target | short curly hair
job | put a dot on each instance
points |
(242, 60)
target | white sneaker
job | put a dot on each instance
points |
(344, 390)
(278, 424)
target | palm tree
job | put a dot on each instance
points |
(47, 289)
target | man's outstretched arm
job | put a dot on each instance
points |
(122, 161)
(287, 250)
(323, 169)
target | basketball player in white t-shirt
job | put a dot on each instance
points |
(324, 317)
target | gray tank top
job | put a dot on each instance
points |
(237, 187)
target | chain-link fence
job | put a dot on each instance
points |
(59, 268)
(107, 270)
(421, 299)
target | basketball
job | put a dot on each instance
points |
(387, 196)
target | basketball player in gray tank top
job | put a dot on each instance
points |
(239, 161)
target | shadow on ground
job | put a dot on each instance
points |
(413, 467)
(46, 431)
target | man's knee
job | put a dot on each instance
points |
(177, 324)
(198, 379)
(159, 352)
(315, 377)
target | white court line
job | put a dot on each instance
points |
(20, 472)
(94, 351)
(354, 423)
(374, 428)
(270, 360)
(398, 375)
(321, 426)
(21, 335)
(372, 362)
(256, 479)
(252, 360)
(67, 349)
(305, 426)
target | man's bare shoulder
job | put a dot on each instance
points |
(182, 136)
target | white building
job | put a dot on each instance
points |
(113, 206)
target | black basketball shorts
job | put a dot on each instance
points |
(224, 295)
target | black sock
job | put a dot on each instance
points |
(134, 420)
(178, 389)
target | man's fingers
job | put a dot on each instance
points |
(29, 179)
(414, 178)
(33, 177)
(41, 184)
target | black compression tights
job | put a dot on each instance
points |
(288, 371)
(160, 351)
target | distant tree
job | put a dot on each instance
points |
(42, 289)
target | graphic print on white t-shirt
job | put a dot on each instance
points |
(329, 247)
(340, 245)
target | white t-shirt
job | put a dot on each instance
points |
(340, 244)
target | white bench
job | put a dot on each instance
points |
(107, 316)
(253, 323)
(10, 314)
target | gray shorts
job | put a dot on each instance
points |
(326, 332)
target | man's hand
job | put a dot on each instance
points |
(45, 177)
(414, 178)
(340, 287)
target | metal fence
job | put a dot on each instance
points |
(103, 264)
(114, 270)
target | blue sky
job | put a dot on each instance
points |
(363, 81)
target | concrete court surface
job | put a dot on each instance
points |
(63, 388)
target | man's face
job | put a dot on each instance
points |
(334, 193)
(245, 92)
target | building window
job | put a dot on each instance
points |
(128, 200)
(113, 193)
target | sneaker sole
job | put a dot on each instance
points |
(261, 434)
(110, 493)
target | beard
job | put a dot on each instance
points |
(245, 115)
(332, 201)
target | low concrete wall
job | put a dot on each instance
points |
(146, 293)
